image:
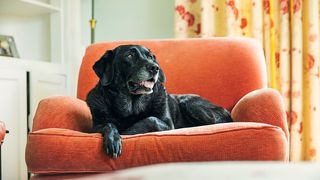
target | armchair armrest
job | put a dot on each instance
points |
(2, 131)
(263, 106)
(62, 112)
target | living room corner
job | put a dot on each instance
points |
(176, 89)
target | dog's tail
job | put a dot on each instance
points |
(199, 111)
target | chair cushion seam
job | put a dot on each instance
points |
(161, 135)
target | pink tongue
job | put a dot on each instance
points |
(147, 84)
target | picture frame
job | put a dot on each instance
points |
(8, 46)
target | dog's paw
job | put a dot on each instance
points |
(112, 143)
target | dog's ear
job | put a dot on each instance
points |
(162, 77)
(104, 68)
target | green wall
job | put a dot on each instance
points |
(129, 19)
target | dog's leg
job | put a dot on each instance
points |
(149, 124)
(111, 139)
(198, 111)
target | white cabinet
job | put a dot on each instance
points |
(44, 68)
(13, 112)
(22, 86)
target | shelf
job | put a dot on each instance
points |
(46, 67)
(26, 7)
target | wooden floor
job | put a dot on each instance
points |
(210, 170)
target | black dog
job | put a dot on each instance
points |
(130, 99)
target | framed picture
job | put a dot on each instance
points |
(8, 47)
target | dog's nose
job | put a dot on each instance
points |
(154, 68)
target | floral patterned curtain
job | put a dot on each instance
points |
(289, 32)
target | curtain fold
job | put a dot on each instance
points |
(289, 33)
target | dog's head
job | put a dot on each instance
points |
(129, 67)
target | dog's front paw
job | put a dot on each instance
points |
(112, 143)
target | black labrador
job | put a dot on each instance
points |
(130, 99)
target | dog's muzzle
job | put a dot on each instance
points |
(143, 84)
(142, 87)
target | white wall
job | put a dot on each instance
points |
(128, 19)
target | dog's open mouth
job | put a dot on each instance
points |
(142, 87)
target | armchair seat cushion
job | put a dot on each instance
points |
(70, 151)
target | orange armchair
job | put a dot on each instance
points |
(230, 72)
(3, 132)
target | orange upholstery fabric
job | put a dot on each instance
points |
(228, 71)
(264, 106)
(63, 112)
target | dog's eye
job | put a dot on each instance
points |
(130, 56)
(149, 56)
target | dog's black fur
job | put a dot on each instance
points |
(130, 99)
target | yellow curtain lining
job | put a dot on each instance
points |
(273, 80)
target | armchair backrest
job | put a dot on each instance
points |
(221, 70)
